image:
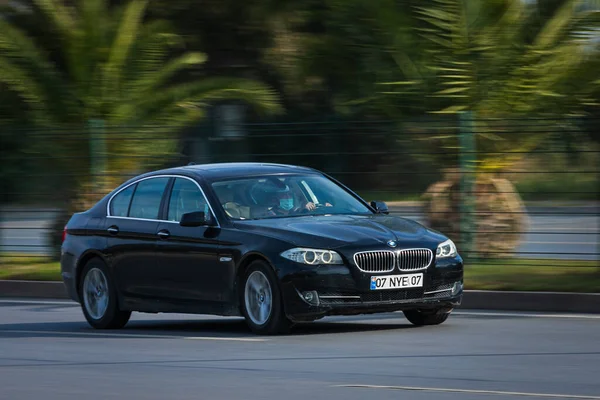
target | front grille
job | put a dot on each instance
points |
(414, 259)
(386, 260)
(375, 261)
(395, 295)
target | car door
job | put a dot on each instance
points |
(132, 225)
(188, 256)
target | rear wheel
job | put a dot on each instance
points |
(99, 297)
(427, 317)
(261, 300)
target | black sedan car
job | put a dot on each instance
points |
(277, 244)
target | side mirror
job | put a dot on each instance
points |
(194, 219)
(380, 207)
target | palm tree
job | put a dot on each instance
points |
(110, 68)
(494, 61)
(497, 61)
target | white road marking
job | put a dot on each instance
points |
(132, 335)
(528, 315)
(40, 302)
(474, 391)
(229, 339)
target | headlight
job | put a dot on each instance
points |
(312, 256)
(446, 249)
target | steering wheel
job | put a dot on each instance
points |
(317, 206)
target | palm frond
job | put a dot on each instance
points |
(118, 69)
(450, 45)
(21, 52)
(121, 47)
(556, 26)
(19, 82)
(506, 31)
(95, 22)
(155, 79)
(151, 50)
(200, 93)
(490, 65)
(60, 16)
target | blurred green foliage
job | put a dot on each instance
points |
(512, 62)
(149, 68)
(64, 64)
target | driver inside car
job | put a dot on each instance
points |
(285, 204)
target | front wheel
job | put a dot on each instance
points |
(99, 298)
(427, 317)
(261, 300)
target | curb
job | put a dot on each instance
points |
(33, 289)
(587, 303)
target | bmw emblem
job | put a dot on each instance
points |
(391, 243)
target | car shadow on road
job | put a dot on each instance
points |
(238, 326)
(192, 328)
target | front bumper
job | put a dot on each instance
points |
(344, 290)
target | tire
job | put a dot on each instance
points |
(427, 317)
(100, 307)
(261, 300)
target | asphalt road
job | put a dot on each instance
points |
(553, 233)
(48, 352)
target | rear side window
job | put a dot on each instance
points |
(185, 198)
(147, 197)
(119, 205)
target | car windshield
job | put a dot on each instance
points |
(285, 196)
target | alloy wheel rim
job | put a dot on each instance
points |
(95, 293)
(258, 298)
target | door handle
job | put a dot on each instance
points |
(164, 234)
(113, 230)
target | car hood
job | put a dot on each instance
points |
(334, 231)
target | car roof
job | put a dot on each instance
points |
(238, 169)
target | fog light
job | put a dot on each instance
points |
(311, 297)
(457, 288)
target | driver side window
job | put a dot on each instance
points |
(185, 197)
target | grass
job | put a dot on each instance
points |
(513, 274)
(560, 176)
(534, 275)
(33, 268)
(566, 186)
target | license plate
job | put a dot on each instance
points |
(396, 281)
